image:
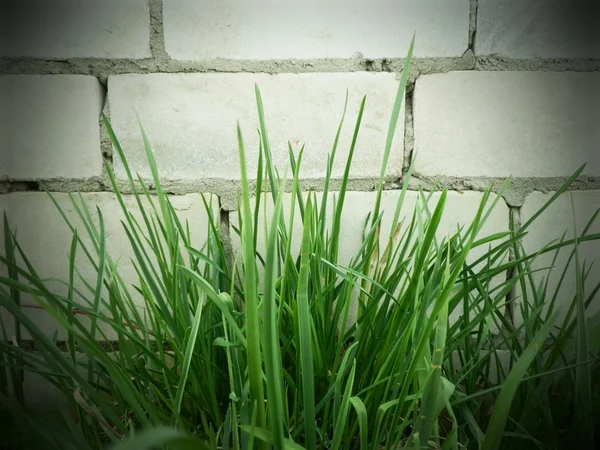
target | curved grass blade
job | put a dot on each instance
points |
(342, 418)
(497, 424)
(304, 327)
(271, 349)
(187, 360)
(430, 395)
(251, 294)
(363, 422)
(161, 436)
(393, 123)
(267, 437)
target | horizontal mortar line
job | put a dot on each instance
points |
(516, 191)
(523, 183)
(484, 63)
(222, 186)
(104, 67)
(108, 346)
(114, 345)
(217, 187)
(227, 192)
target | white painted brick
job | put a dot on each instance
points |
(550, 226)
(548, 29)
(46, 239)
(191, 119)
(496, 124)
(460, 210)
(491, 375)
(308, 29)
(75, 29)
(43, 396)
(49, 126)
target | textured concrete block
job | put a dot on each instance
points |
(44, 397)
(49, 126)
(191, 119)
(75, 29)
(496, 124)
(460, 209)
(485, 372)
(46, 241)
(548, 228)
(311, 29)
(548, 29)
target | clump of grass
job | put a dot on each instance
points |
(216, 361)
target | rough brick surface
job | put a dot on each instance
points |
(460, 210)
(46, 239)
(496, 124)
(75, 29)
(505, 357)
(190, 120)
(312, 29)
(550, 226)
(49, 126)
(44, 397)
(549, 29)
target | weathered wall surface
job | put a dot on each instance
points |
(497, 89)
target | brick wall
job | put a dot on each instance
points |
(497, 88)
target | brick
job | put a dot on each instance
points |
(43, 396)
(196, 30)
(75, 29)
(460, 209)
(46, 240)
(190, 120)
(49, 127)
(496, 124)
(549, 29)
(548, 228)
(489, 374)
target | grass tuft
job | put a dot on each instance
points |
(406, 343)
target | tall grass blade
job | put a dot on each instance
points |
(497, 423)
(159, 437)
(304, 329)
(251, 295)
(583, 377)
(274, 377)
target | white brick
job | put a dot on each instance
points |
(308, 29)
(190, 120)
(496, 124)
(49, 126)
(491, 374)
(43, 396)
(75, 29)
(460, 210)
(548, 228)
(548, 29)
(46, 239)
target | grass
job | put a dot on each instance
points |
(213, 360)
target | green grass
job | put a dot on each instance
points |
(213, 360)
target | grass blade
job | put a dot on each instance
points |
(496, 426)
(251, 295)
(272, 353)
(304, 328)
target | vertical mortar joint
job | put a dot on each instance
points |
(409, 132)
(157, 33)
(515, 224)
(224, 230)
(474, 5)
